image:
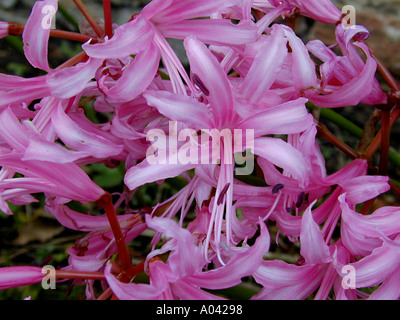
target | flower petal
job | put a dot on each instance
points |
(36, 35)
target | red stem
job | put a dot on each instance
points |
(89, 18)
(71, 36)
(85, 275)
(107, 18)
(106, 202)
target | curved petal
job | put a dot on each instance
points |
(37, 31)
(313, 246)
(130, 38)
(287, 118)
(69, 82)
(180, 108)
(131, 291)
(136, 77)
(283, 155)
(78, 138)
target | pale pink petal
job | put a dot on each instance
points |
(211, 31)
(186, 9)
(69, 82)
(283, 155)
(389, 289)
(130, 38)
(352, 92)
(131, 291)
(180, 108)
(313, 246)
(376, 267)
(37, 31)
(363, 188)
(80, 139)
(3, 29)
(286, 118)
(136, 77)
(304, 72)
(207, 68)
(241, 265)
(265, 66)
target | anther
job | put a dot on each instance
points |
(277, 187)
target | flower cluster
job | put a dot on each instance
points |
(247, 89)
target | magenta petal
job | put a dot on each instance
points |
(11, 277)
(36, 33)
(131, 291)
(128, 39)
(313, 246)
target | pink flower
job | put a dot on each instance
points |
(182, 276)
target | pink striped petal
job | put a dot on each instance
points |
(287, 118)
(217, 32)
(12, 277)
(180, 108)
(78, 138)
